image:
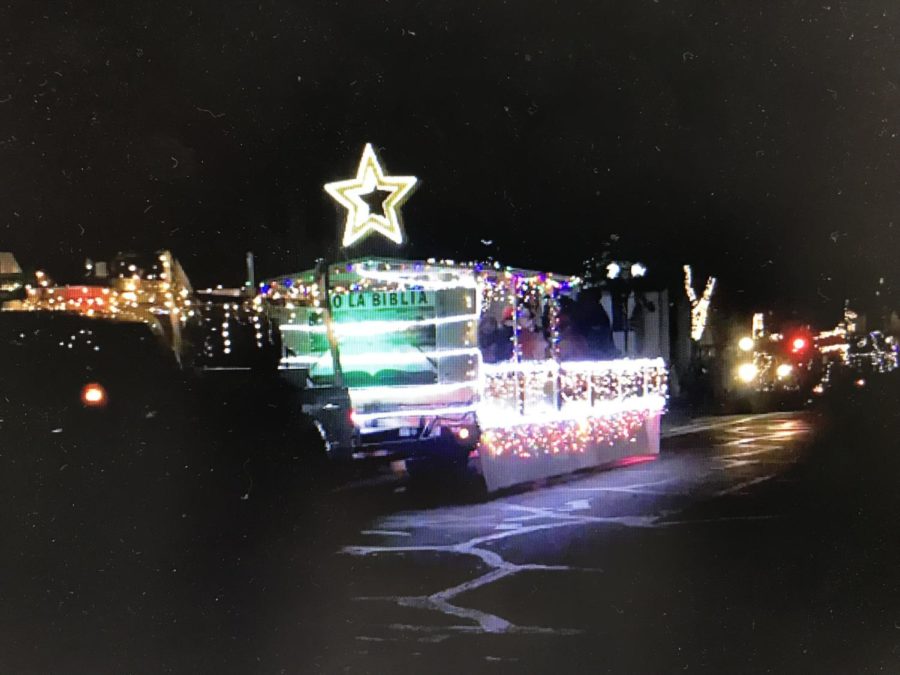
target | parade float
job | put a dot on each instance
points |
(453, 365)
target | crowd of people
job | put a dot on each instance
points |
(584, 332)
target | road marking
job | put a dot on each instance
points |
(775, 436)
(483, 580)
(632, 491)
(502, 568)
(714, 424)
(753, 453)
(702, 521)
(503, 518)
(469, 630)
(745, 484)
(735, 463)
(637, 488)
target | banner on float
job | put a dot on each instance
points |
(360, 305)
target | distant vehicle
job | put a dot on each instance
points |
(775, 370)
(133, 324)
(123, 383)
(66, 373)
(97, 444)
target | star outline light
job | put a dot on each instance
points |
(360, 221)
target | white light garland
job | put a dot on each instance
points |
(362, 418)
(361, 328)
(386, 358)
(699, 306)
(490, 418)
(615, 365)
(409, 393)
(612, 389)
(415, 278)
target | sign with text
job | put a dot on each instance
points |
(368, 301)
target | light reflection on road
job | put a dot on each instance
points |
(729, 457)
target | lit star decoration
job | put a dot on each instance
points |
(361, 221)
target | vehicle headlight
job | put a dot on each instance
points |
(747, 372)
(784, 370)
(745, 344)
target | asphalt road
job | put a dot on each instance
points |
(543, 578)
(747, 546)
(751, 544)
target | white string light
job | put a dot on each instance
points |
(421, 279)
(378, 327)
(412, 393)
(498, 417)
(699, 306)
(386, 358)
(362, 418)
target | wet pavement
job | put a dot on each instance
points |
(578, 558)
(750, 544)
(724, 554)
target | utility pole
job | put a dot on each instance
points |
(251, 273)
(322, 269)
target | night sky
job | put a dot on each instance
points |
(758, 143)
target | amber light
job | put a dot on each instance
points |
(93, 395)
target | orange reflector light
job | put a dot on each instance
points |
(93, 395)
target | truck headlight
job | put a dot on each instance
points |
(747, 372)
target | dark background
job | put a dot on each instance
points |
(758, 143)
